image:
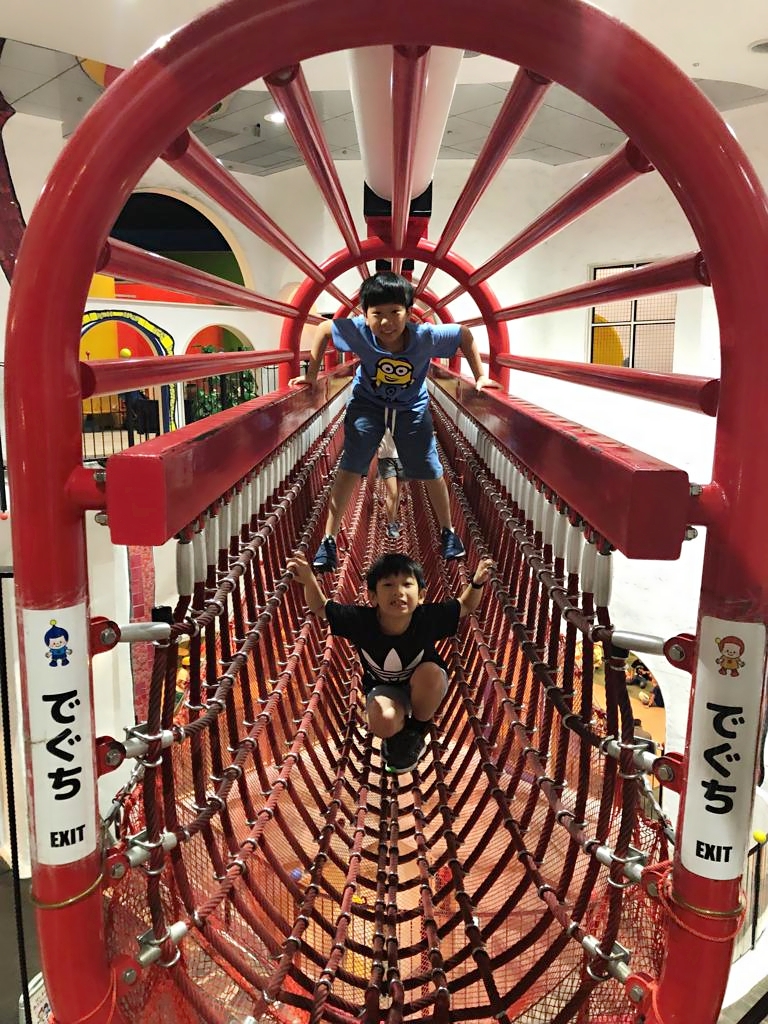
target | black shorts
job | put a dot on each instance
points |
(391, 467)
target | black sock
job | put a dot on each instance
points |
(419, 726)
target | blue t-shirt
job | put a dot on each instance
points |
(395, 379)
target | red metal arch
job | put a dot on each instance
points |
(373, 248)
(144, 111)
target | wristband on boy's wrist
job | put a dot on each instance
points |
(476, 586)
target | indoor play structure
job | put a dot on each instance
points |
(258, 864)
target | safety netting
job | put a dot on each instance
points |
(270, 865)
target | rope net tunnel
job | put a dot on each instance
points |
(258, 863)
(500, 880)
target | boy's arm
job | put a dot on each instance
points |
(317, 348)
(469, 350)
(470, 597)
(313, 595)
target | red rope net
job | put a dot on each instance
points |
(276, 873)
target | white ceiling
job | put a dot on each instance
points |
(39, 75)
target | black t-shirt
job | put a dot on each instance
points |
(392, 659)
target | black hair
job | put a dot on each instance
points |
(385, 289)
(394, 564)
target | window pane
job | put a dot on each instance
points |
(612, 312)
(654, 345)
(610, 345)
(657, 307)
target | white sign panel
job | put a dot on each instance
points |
(721, 756)
(56, 654)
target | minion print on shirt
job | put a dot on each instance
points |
(392, 375)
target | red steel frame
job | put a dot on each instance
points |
(140, 116)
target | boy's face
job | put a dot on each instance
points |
(397, 596)
(387, 323)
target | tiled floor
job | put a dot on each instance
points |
(734, 1014)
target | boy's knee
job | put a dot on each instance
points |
(429, 678)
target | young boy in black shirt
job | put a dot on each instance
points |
(404, 679)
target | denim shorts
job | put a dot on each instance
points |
(412, 430)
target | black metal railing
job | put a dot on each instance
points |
(112, 423)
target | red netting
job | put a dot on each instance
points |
(497, 881)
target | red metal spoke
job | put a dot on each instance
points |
(289, 90)
(112, 376)
(409, 72)
(663, 276)
(123, 260)
(525, 96)
(618, 170)
(700, 394)
(192, 160)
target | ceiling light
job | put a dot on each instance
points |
(761, 46)
(275, 117)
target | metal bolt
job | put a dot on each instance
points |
(101, 518)
(130, 975)
(636, 993)
(676, 652)
(113, 757)
(691, 533)
(108, 636)
(695, 490)
(100, 476)
(664, 773)
(117, 870)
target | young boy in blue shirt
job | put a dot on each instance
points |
(404, 679)
(389, 390)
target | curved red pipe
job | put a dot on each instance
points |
(373, 248)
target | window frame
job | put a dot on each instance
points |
(633, 322)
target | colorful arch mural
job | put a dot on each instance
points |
(154, 340)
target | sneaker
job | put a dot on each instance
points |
(450, 545)
(325, 560)
(393, 530)
(403, 751)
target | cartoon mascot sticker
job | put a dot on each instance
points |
(731, 649)
(56, 639)
(392, 375)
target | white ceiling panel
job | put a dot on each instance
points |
(557, 128)
(48, 83)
